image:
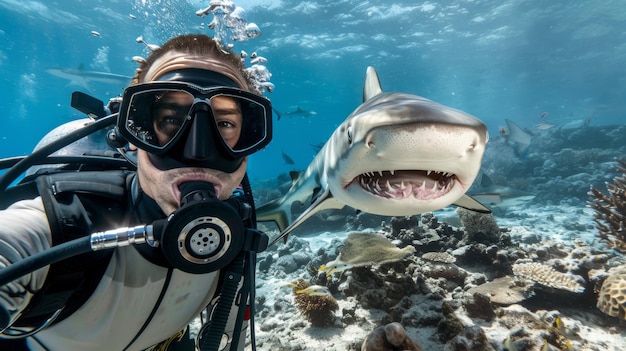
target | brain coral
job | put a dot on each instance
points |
(612, 296)
(317, 309)
(547, 276)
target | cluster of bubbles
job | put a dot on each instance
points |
(101, 60)
(230, 25)
(229, 22)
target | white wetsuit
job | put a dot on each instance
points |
(125, 301)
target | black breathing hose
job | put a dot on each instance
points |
(39, 260)
(44, 258)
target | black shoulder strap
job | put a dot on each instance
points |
(76, 204)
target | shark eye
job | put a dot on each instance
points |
(349, 130)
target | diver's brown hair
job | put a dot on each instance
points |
(193, 44)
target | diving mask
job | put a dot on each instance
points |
(211, 127)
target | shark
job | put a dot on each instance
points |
(520, 138)
(397, 154)
(500, 196)
(82, 78)
(297, 112)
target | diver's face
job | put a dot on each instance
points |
(163, 185)
(170, 111)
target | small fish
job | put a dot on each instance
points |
(544, 115)
(288, 160)
(95, 34)
(132, 16)
(287, 285)
(314, 290)
(565, 330)
(334, 266)
(243, 54)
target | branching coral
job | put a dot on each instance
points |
(318, 308)
(547, 276)
(610, 216)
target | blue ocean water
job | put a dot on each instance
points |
(519, 60)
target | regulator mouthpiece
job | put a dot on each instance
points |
(196, 191)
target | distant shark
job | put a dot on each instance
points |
(82, 78)
(519, 137)
(499, 195)
(297, 112)
(396, 155)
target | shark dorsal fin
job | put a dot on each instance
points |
(372, 84)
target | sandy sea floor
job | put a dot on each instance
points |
(519, 326)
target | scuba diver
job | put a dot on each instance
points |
(103, 257)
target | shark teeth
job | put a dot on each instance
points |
(422, 185)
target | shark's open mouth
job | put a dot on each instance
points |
(422, 185)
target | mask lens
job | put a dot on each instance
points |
(242, 121)
(156, 117)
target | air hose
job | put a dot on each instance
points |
(39, 260)
(44, 258)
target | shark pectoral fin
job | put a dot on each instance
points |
(489, 198)
(467, 202)
(325, 201)
(274, 211)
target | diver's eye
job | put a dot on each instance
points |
(169, 125)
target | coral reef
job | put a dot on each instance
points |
(470, 339)
(442, 257)
(318, 309)
(612, 295)
(610, 216)
(391, 337)
(479, 227)
(547, 276)
(503, 291)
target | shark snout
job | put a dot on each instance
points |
(425, 142)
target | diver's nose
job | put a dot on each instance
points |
(201, 143)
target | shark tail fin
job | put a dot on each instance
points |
(469, 203)
(372, 84)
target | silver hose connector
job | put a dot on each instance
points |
(141, 234)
